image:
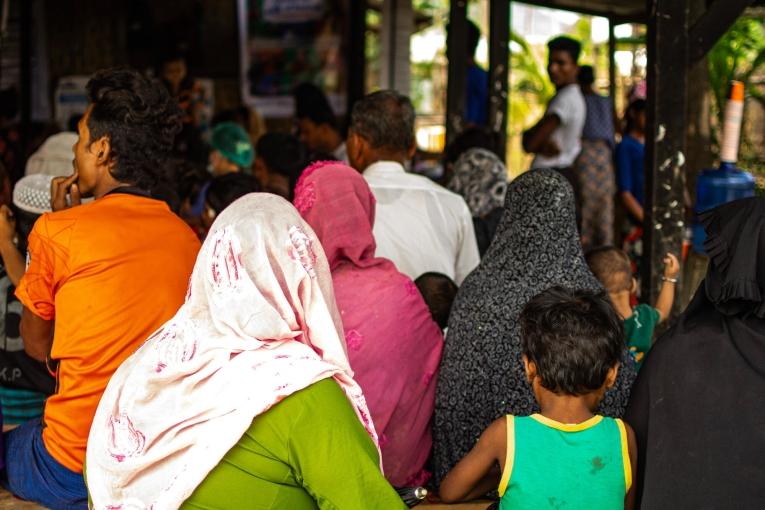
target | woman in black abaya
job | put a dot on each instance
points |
(698, 407)
(536, 246)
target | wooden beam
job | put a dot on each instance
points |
(713, 24)
(499, 58)
(583, 7)
(664, 224)
(356, 55)
(456, 53)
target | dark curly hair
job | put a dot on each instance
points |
(139, 118)
(573, 337)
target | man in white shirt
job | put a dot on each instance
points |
(420, 226)
(556, 139)
(316, 122)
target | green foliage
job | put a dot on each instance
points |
(528, 73)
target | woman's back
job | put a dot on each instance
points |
(394, 350)
(294, 456)
(393, 344)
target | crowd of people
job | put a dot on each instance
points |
(306, 323)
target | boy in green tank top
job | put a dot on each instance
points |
(566, 456)
(612, 267)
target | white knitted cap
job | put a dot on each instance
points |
(32, 193)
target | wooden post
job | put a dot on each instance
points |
(456, 53)
(356, 57)
(25, 78)
(612, 63)
(499, 58)
(668, 59)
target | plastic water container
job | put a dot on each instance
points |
(717, 186)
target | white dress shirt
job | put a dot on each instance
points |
(569, 106)
(420, 225)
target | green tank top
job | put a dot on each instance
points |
(560, 466)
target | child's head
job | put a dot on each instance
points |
(225, 190)
(281, 159)
(438, 291)
(572, 341)
(612, 267)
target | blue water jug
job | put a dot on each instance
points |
(717, 186)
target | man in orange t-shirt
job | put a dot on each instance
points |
(106, 274)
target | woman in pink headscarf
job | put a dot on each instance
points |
(244, 399)
(393, 343)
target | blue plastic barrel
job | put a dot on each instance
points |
(717, 186)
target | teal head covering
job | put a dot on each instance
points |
(233, 142)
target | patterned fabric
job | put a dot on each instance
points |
(394, 345)
(599, 123)
(259, 323)
(481, 376)
(481, 178)
(32, 193)
(595, 173)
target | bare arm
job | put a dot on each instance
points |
(629, 499)
(473, 476)
(36, 334)
(537, 138)
(13, 260)
(667, 293)
(632, 205)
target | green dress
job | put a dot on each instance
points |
(639, 328)
(309, 451)
(557, 466)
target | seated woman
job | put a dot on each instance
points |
(481, 376)
(393, 343)
(699, 403)
(245, 399)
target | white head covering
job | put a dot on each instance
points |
(259, 323)
(54, 157)
(32, 194)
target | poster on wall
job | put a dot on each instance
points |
(286, 42)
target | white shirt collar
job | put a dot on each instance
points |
(384, 168)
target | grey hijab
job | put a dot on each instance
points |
(481, 378)
(481, 178)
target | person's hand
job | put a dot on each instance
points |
(7, 225)
(671, 266)
(550, 149)
(60, 187)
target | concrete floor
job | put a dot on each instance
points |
(8, 502)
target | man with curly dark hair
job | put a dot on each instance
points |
(86, 305)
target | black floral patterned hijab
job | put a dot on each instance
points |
(481, 178)
(536, 247)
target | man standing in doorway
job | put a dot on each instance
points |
(556, 139)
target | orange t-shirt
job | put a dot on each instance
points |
(109, 273)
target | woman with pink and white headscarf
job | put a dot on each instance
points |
(245, 399)
(393, 343)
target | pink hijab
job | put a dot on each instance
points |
(393, 343)
(259, 323)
